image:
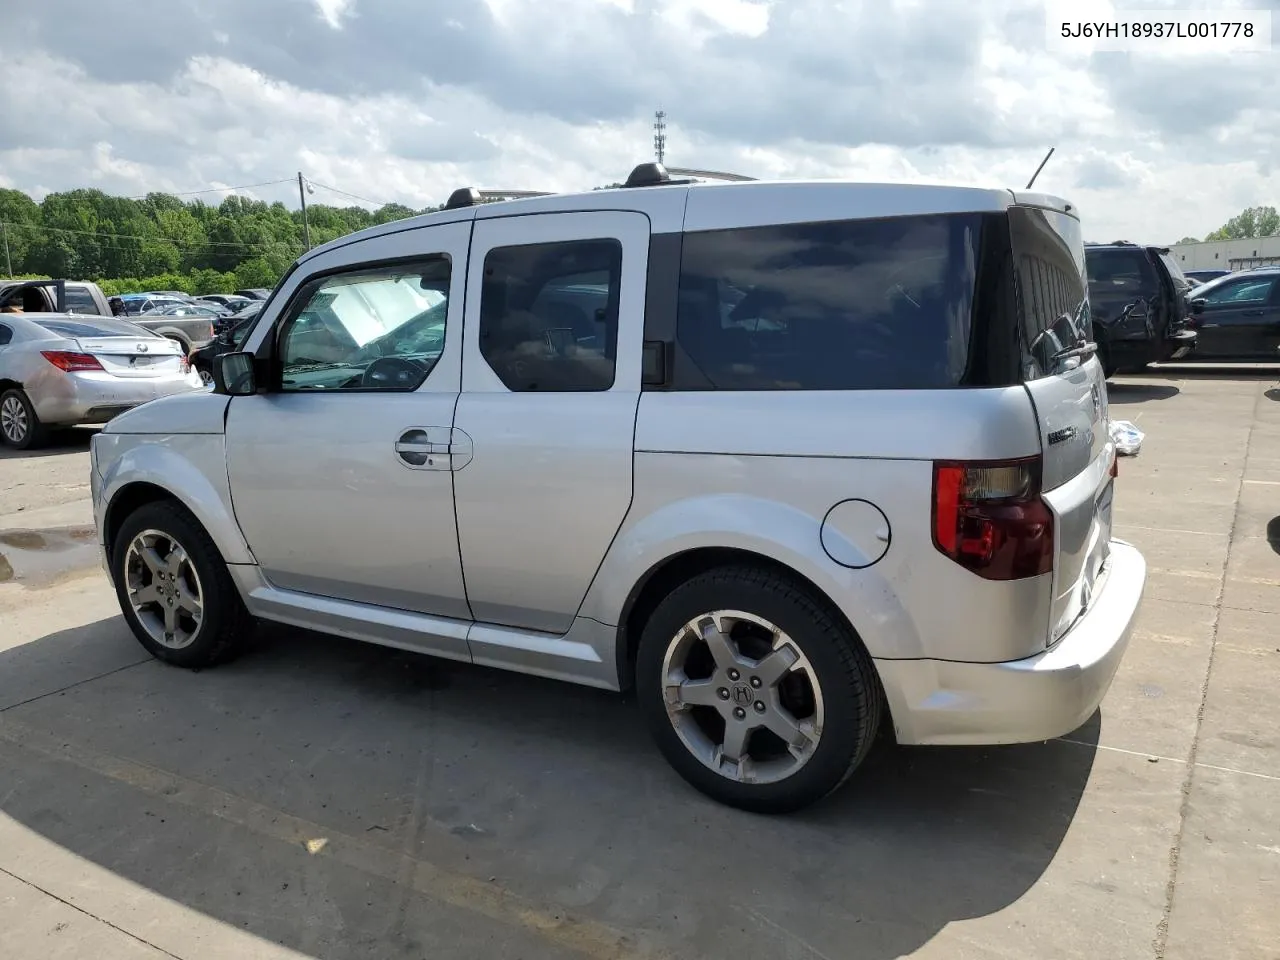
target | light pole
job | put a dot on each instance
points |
(4, 229)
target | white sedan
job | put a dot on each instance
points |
(60, 370)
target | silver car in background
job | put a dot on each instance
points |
(60, 370)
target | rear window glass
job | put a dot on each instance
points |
(101, 327)
(80, 300)
(1119, 272)
(842, 305)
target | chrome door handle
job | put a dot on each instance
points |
(416, 450)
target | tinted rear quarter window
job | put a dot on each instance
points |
(843, 305)
(1053, 291)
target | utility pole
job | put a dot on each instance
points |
(4, 229)
(306, 227)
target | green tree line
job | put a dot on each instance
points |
(165, 243)
(1249, 223)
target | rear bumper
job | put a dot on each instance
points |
(1021, 701)
(72, 399)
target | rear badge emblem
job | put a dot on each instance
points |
(142, 348)
(1062, 436)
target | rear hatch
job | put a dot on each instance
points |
(1069, 392)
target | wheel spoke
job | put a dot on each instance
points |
(177, 557)
(693, 693)
(170, 620)
(151, 557)
(189, 602)
(147, 594)
(736, 734)
(722, 648)
(775, 666)
(797, 735)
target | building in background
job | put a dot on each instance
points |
(1227, 254)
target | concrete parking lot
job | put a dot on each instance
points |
(327, 799)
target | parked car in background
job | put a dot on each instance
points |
(589, 467)
(60, 370)
(1237, 316)
(228, 300)
(136, 304)
(55, 296)
(187, 325)
(1137, 297)
(171, 295)
(1204, 276)
(254, 293)
(226, 340)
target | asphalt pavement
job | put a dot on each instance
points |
(322, 798)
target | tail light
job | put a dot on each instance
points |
(71, 362)
(184, 364)
(989, 518)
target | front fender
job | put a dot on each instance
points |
(784, 533)
(192, 468)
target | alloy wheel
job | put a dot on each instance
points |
(164, 589)
(13, 419)
(742, 696)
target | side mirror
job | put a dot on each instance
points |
(233, 374)
(1197, 307)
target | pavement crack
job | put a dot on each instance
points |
(1161, 942)
(89, 914)
(78, 683)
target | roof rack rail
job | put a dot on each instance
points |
(710, 174)
(470, 196)
(655, 175)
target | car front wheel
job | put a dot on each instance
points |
(755, 691)
(174, 588)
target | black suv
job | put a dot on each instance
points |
(1138, 298)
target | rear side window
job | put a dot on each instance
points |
(1053, 292)
(5, 334)
(842, 305)
(549, 315)
(80, 300)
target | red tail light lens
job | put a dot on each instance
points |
(184, 364)
(70, 362)
(990, 518)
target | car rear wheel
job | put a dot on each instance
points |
(755, 691)
(174, 588)
(19, 425)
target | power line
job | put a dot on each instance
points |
(353, 196)
(192, 193)
(131, 236)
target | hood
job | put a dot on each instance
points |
(183, 413)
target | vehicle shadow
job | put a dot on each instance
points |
(1125, 392)
(349, 801)
(60, 442)
(1273, 533)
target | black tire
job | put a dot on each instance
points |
(853, 700)
(36, 433)
(226, 625)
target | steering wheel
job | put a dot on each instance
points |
(391, 373)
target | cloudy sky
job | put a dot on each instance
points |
(404, 100)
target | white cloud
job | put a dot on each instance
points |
(401, 101)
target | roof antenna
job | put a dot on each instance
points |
(1039, 168)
